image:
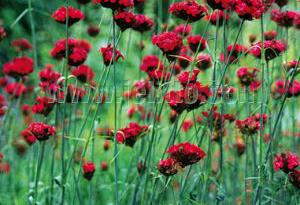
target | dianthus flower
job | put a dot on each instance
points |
(21, 44)
(41, 131)
(220, 4)
(74, 94)
(43, 105)
(88, 170)
(130, 134)
(28, 137)
(74, 15)
(283, 18)
(124, 19)
(250, 125)
(93, 30)
(49, 79)
(272, 49)
(286, 162)
(18, 67)
(234, 52)
(115, 4)
(203, 61)
(170, 43)
(142, 23)
(189, 11)
(249, 10)
(183, 30)
(107, 54)
(248, 77)
(167, 167)
(15, 89)
(217, 17)
(294, 178)
(195, 42)
(187, 77)
(83, 73)
(150, 63)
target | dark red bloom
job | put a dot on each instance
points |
(270, 35)
(41, 131)
(15, 89)
(115, 4)
(43, 105)
(227, 92)
(83, 73)
(196, 43)
(74, 15)
(142, 23)
(220, 4)
(28, 137)
(184, 59)
(88, 170)
(83, 1)
(169, 43)
(203, 61)
(283, 18)
(21, 44)
(124, 19)
(217, 17)
(150, 63)
(49, 79)
(159, 77)
(142, 88)
(248, 77)
(18, 67)
(188, 10)
(3, 81)
(250, 125)
(297, 21)
(167, 167)
(249, 10)
(93, 30)
(240, 146)
(281, 3)
(130, 134)
(286, 162)
(107, 54)
(104, 166)
(26, 109)
(106, 145)
(272, 49)
(186, 154)
(187, 77)
(187, 125)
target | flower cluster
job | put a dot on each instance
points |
(16, 89)
(249, 10)
(196, 43)
(77, 51)
(74, 15)
(43, 105)
(283, 18)
(220, 4)
(203, 61)
(233, 53)
(181, 155)
(115, 4)
(251, 125)
(183, 30)
(38, 131)
(279, 88)
(218, 17)
(272, 49)
(49, 79)
(83, 73)
(189, 11)
(130, 134)
(18, 67)
(248, 78)
(142, 23)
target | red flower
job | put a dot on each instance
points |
(183, 29)
(150, 63)
(217, 17)
(106, 145)
(187, 77)
(137, 109)
(195, 42)
(15, 89)
(272, 49)
(28, 137)
(21, 44)
(159, 77)
(187, 125)
(240, 146)
(167, 167)
(43, 105)
(284, 18)
(249, 10)
(93, 31)
(26, 109)
(184, 59)
(83, 73)
(287, 162)
(3, 81)
(203, 61)
(124, 19)
(107, 54)
(250, 125)
(49, 78)
(186, 154)
(220, 4)
(18, 67)
(41, 131)
(88, 170)
(104, 166)
(247, 75)
(142, 23)
(281, 3)
(297, 21)
(130, 134)
(74, 15)
(142, 88)
(188, 10)
(270, 35)
(4, 167)
(2, 33)
(170, 43)
(115, 4)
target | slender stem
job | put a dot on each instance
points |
(38, 170)
(33, 35)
